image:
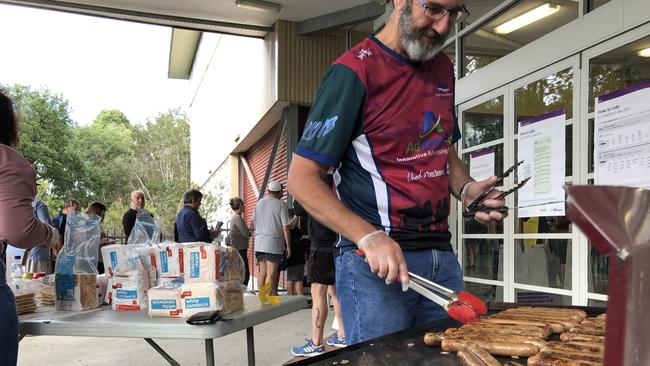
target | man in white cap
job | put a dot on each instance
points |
(272, 235)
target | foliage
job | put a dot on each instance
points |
(106, 160)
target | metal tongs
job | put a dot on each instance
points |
(478, 205)
(461, 306)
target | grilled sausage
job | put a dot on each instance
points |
(484, 355)
(567, 336)
(546, 360)
(495, 348)
(432, 339)
(467, 358)
(514, 321)
(508, 329)
(489, 337)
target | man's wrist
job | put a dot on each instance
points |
(366, 238)
(463, 190)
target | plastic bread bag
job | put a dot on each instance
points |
(102, 287)
(76, 264)
(231, 265)
(146, 229)
(113, 255)
(197, 297)
(199, 262)
(129, 291)
(165, 299)
(231, 296)
(168, 260)
(136, 257)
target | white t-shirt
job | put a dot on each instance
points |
(271, 215)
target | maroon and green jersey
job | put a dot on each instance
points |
(387, 124)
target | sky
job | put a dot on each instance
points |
(93, 62)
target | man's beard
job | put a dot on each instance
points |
(411, 39)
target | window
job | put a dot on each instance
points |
(538, 297)
(543, 262)
(483, 123)
(617, 69)
(593, 4)
(483, 258)
(498, 38)
(484, 291)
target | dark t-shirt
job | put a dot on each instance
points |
(297, 248)
(128, 221)
(321, 237)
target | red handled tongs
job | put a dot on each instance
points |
(461, 306)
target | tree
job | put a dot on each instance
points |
(106, 149)
(46, 133)
(162, 150)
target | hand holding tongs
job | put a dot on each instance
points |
(461, 306)
(478, 204)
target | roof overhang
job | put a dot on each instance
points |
(184, 45)
(263, 126)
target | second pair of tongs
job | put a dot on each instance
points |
(478, 204)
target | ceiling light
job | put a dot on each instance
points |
(258, 5)
(644, 52)
(526, 18)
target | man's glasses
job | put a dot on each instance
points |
(436, 12)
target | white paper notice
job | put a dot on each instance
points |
(481, 164)
(541, 147)
(622, 137)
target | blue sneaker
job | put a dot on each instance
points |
(336, 341)
(308, 350)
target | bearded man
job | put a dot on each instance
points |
(384, 117)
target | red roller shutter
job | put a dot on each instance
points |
(258, 157)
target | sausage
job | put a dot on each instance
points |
(585, 329)
(495, 348)
(508, 329)
(567, 336)
(589, 348)
(485, 336)
(546, 360)
(557, 325)
(468, 359)
(594, 347)
(580, 314)
(484, 355)
(514, 322)
(432, 339)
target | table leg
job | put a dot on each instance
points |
(250, 341)
(209, 352)
(162, 352)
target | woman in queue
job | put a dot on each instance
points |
(18, 224)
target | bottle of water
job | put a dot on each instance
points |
(16, 267)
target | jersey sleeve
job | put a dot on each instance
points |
(335, 118)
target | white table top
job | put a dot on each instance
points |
(105, 322)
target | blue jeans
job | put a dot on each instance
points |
(8, 323)
(371, 308)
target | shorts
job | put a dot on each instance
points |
(320, 268)
(296, 273)
(273, 258)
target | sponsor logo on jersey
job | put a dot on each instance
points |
(363, 53)
(431, 137)
(318, 129)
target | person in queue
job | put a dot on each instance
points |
(190, 226)
(128, 220)
(321, 276)
(18, 224)
(272, 235)
(39, 258)
(59, 221)
(384, 116)
(239, 234)
(99, 209)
